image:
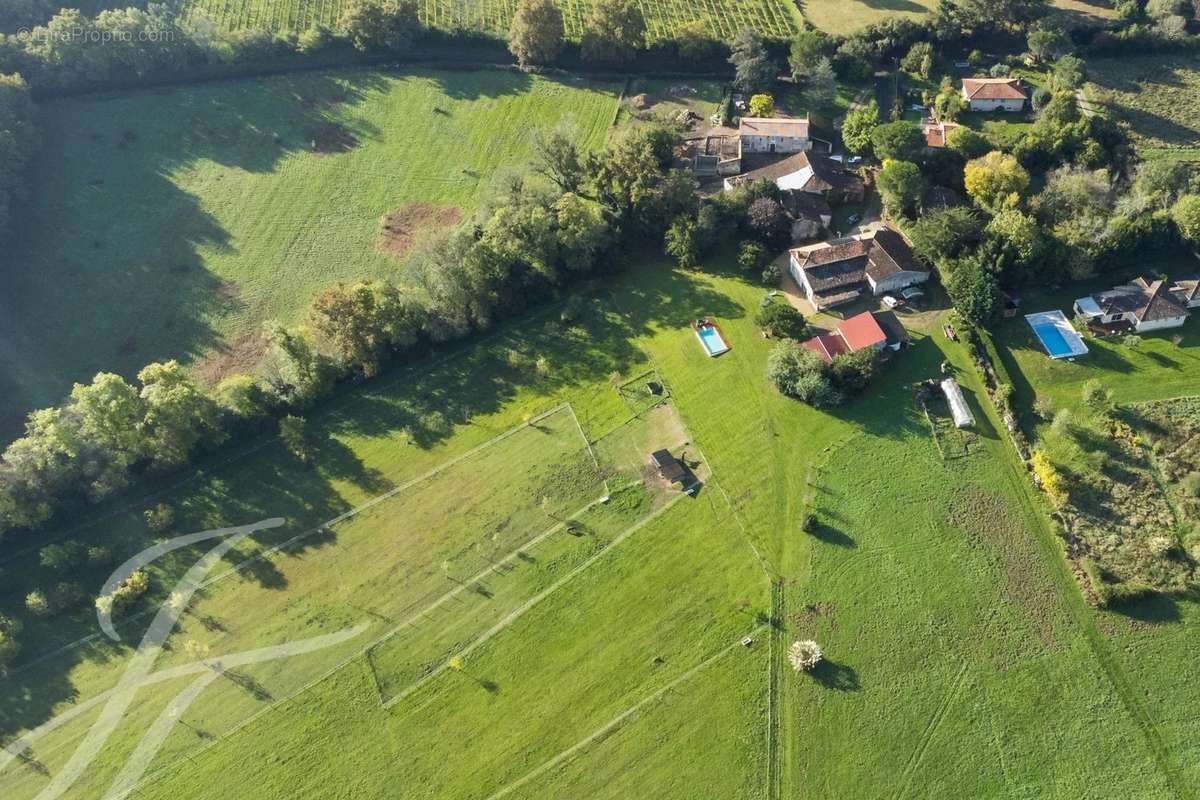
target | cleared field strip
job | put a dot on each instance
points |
(382, 560)
(724, 18)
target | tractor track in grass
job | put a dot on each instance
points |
(931, 727)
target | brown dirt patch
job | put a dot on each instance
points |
(332, 138)
(228, 292)
(228, 358)
(400, 229)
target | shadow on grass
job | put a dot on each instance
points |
(1152, 609)
(831, 535)
(839, 677)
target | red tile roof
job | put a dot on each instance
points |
(994, 89)
(861, 331)
(826, 346)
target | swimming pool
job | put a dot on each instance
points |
(1056, 334)
(711, 338)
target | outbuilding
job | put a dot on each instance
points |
(963, 418)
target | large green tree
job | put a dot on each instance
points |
(754, 69)
(614, 31)
(995, 181)
(859, 126)
(536, 33)
(366, 321)
(899, 140)
(900, 185)
(380, 24)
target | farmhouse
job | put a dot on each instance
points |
(870, 330)
(774, 134)
(994, 94)
(809, 173)
(839, 271)
(1142, 305)
(668, 466)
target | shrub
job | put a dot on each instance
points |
(781, 320)
(1049, 478)
(808, 522)
(771, 275)
(1191, 483)
(63, 556)
(99, 556)
(126, 594)
(804, 655)
(9, 646)
(800, 373)
(752, 257)
(851, 373)
(1044, 407)
(1096, 396)
(160, 519)
(762, 105)
(293, 430)
(37, 604)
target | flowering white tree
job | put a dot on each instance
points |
(804, 655)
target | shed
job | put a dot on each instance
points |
(963, 418)
(668, 466)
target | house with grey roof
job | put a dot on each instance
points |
(841, 270)
(1141, 305)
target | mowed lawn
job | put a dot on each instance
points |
(171, 223)
(962, 661)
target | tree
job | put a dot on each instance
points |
(805, 655)
(1160, 183)
(948, 104)
(967, 143)
(37, 604)
(900, 185)
(160, 518)
(583, 232)
(693, 42)
(244, 396)
(808, 47)
(1096, 396)
(557, 158)
(293, 431)
(614, 31)
(380, 24)
(974, 290)
(754, 70)
(1068, 74)
(9, 646)
(1186, 215)
(918, 61)
(782, 321)
(769, 222)
(682, 243)
(859, 126)
(800, 373)
(752, 257)
(762, 105)
(298, 373)
(995, 181)
(536, 33)
(63, 556)
(897, 141)
(367, 321)
(1048, 43)
(178, 416)
(822, 83)
(946, 234)
(1036, 254)
(1173, 28)
(851, 373)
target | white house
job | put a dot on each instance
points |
(994, 94)
(809, 173)
(1139, 306)
(774, 134)
(839, 271)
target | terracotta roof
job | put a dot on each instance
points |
(826, 346)
(994, 89)
(861, 331)
(936, 132)
(773, 126)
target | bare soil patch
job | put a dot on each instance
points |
(228, 358)
(332, 138)
(400, 229)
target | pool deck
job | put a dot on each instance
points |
(725, 347)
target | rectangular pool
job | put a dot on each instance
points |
(712, 340)
(1054, 331)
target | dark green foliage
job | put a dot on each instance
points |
(945, 234)
(18, 142)
(901, 185)
(851, 373)
(63, 557)
(614, 31)
(293, 431)
(974, 289)
(781, 321)
(899, 140)
(754, 69)
(752, 257)
(769, 223)
(800, 373)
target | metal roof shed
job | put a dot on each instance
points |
(963, 418)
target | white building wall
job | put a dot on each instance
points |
(1158, 325)
(997, 105)
(898, 281)
(782, 144)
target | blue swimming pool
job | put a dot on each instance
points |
(1056, 334)
(712, 340)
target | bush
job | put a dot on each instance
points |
(1191, 484)
(126, 594)
(293, 430)
(1096, 396)
(771, 275)
(800, 373)
(804, 655)
(99, 556)
(63, 556)
(781, 320)
(752, 257)
(37, 604)
(808, 522)
(160, 519)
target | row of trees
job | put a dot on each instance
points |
(533, 236)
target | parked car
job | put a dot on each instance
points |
(890, 301)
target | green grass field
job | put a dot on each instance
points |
(1158, 97)
(962, 660)
(226, 216)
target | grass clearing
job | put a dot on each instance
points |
(171, 223)
(1158, 97)
(837, 17)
